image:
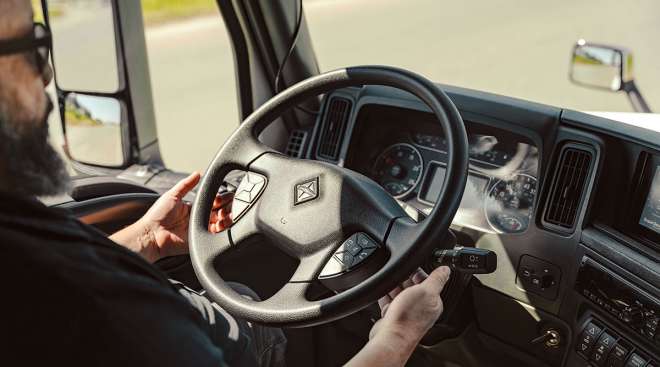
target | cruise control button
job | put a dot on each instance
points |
(366, 242)
(351, 246)
(251, 186)
(243, 196)
(346, 258)
(238, 207)
(363, 255)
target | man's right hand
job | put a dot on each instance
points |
(408, 312)
(412, 308)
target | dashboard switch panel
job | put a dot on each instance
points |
(636, 360)
(618, 355)
(622, 300)
(603, 348)
(538, 277)
(588, 338)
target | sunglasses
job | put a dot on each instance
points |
(38, 41)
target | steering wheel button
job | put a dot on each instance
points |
(365, 241)
(243, 196)
(351, 245)
(363, 255)
(345, 258)
(238, 207)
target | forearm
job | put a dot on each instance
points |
(385, 349)
(138, 238)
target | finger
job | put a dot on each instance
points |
(215, 227)
(438, 278)
(419, 276)
(384, 301)
(395, 292)
(214, 216)
(184, 186)
(407, 283)
(226, 222)
(223, 200)
(383, 311)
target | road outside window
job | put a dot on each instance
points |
(510, 47)
(192, 77)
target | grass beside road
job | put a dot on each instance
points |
(160, 11)
(153, 11)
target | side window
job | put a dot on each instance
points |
(192, 79)
(56, 135)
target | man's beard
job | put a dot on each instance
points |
(30, 166)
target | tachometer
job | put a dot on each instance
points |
(510, 203)
(399, 169)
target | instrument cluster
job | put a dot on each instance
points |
(502, 184)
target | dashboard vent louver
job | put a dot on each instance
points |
(296, 143)
(334, 125)
(568, 187)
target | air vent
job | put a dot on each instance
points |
(568, 187)
(296, 143)
(334, 125)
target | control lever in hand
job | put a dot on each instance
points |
(467, 260)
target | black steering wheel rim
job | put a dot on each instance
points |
(407, 243)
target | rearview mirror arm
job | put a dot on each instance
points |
(635, 96)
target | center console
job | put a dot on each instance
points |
(620, 327)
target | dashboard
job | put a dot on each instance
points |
(569, 202)
(409, 161)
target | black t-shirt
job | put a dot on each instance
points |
(70, 296)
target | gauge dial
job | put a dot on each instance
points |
(510, 203)
(399, 169)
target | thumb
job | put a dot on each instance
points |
(437, 279)
(184, 186)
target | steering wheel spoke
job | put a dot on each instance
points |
(211, 246)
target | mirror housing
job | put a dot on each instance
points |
(109, 62)
(95, 130)
(608, 68)
(600, 66)
(86, 60)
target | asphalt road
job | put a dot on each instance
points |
(513, 47)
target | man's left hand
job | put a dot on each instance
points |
(167, 221)
(163, 230)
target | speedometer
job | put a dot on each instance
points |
(398, 169)
(510, 203)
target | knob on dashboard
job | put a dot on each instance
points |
(632, 315)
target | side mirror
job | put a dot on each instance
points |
(102, 80)
(605, 67)
(94, 131)
(85, 60)
(600, 66)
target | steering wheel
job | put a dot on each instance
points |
(317, 212)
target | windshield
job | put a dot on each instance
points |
(511, 47)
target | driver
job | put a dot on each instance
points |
(73, 296)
